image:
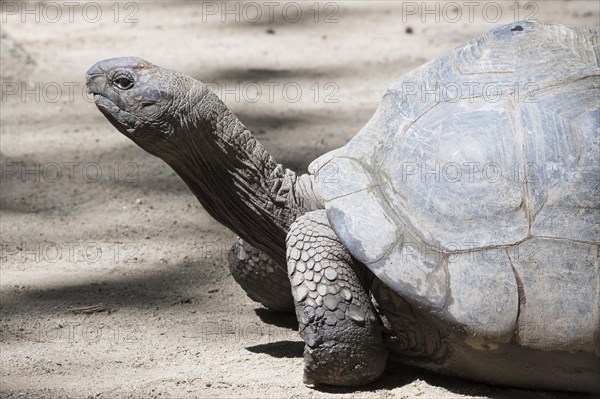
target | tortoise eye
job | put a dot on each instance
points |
(123, 83)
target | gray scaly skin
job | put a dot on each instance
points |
(252, 269)
(337, 319)
(179, 120)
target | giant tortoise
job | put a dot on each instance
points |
(457, 231)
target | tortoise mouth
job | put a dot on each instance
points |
(104, 104)
(119, 118)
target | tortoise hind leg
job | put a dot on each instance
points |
(343, 342)
(263, 280)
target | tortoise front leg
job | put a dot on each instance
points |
(263, 280)
(343, 342)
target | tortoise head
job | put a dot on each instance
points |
(145, 102)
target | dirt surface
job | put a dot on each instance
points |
(114, 280)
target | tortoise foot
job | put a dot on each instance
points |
(343, 342)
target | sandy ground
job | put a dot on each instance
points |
(88, 219)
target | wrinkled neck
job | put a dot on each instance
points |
(234, 177)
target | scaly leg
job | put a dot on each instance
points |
(343, 342)
(263, 280)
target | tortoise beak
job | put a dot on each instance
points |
(95, 78)
(95, 83)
